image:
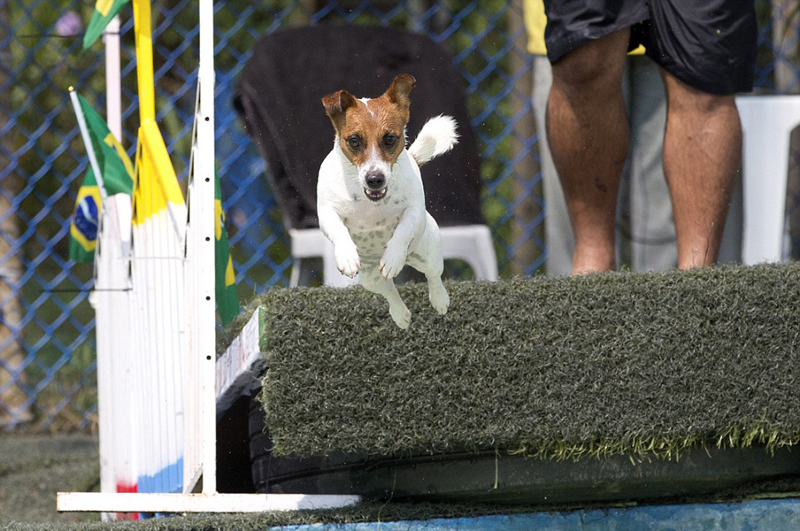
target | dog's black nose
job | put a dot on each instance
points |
(375, 180)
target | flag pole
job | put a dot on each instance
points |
(113, 79)
(87, 141)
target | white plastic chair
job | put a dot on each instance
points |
(767, 122)
(470, 243)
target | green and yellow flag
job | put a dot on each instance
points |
(116, 177)
(227, 298)
(85, 221)
(104, 11)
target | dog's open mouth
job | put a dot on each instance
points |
(375, 195)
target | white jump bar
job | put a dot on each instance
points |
(196, 503)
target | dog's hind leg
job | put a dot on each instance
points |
(426, 257)
(374, 282)
(437, 294)
(432, 267)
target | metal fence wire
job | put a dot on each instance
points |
(47, 354)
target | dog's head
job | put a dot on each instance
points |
(371, 132)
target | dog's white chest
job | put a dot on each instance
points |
(372, 224)
(371, 234)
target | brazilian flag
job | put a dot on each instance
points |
(85, 221)
(225, 279)
(116, 178)
(104, 11)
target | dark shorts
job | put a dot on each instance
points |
(708, 44)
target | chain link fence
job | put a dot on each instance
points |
(47, 356)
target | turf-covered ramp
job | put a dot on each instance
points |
(601, 365)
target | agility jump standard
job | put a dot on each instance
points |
(180, 367)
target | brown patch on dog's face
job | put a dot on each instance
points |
(371, 129)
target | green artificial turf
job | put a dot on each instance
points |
(33, 468)
(564, 368)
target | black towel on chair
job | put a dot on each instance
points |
(278, 98)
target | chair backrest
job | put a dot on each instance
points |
(279, 100)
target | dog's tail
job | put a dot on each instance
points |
(437, 136)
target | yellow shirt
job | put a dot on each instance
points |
(536, 20)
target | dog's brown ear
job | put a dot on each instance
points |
(336, 104)
(398, 92)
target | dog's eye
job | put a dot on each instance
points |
(389, 140)
(354, 142)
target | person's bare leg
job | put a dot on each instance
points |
(587, 129)
(702, 152)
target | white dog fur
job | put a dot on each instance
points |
(377, 237)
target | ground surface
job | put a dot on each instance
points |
(34, 467)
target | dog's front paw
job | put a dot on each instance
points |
(392, 262)
(347, 260)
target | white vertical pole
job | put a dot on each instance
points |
(111, 302)
(106, 403)
(193, 407)
(204, 218)
(113, 79)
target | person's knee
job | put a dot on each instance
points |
(593, 66)
(712, 104)
(682, 96)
